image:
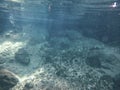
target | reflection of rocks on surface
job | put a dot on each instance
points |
(22, 56)
(7, 79)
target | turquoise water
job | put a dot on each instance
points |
(60, 45)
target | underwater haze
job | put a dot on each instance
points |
(59, 45)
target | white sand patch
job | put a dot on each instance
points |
(41, 80)
(32, 76)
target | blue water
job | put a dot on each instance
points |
(77, 41)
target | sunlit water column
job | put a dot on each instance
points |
(34, 18)
(64, 15)
(14, 8)
(8, 12)
(28, 16)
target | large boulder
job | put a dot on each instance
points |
(7, 79)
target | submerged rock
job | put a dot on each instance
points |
(105, 83)
(94, 61)
(28, 86)
(22, 56)
(117, 82)
(107, 78)
(7, 79)
(2, 61)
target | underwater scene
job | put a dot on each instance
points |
(59, 44)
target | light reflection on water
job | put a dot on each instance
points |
(42, 9)
(64, 13)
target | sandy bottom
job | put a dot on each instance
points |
(60, 63)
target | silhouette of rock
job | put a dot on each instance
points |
(117, 82)
(7, 79)
(94, 61)
(2, 61)
(28, 86)
(22, 56)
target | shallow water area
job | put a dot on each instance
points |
(60, 45)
